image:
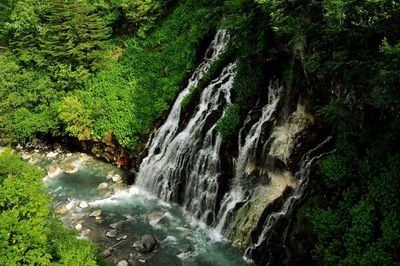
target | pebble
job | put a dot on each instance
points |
(122, 237)
(70, 205)
(111, 233)
(114, 225)
(95, 213)
(122, 263)
(83, 204)
(78, 227)
(116, 178)
(102, 186)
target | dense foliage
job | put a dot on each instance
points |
(94, 69)
(30, 234)
(66, 74)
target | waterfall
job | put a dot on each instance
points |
(302, 175)
(184, 166)
(246, 155)
(183, 162)
(167, 131)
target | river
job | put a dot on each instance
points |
(88, 198)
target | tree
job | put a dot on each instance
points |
(73, 34)
(29, 233)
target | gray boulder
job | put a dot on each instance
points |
(145, 243)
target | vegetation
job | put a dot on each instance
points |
(121, 84)
(30, 233)
(94, 69)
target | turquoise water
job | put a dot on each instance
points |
(133, 212)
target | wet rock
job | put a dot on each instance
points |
(115, 225)
(106, 253)
(111, 233)
(83, 205)
(53, 171)
(78, 227)
(86, 232)
(70, 205)
(110, 175)
(25, 157)
(102, 186)
(155, 216)
(146, 243)
(116, 178)
(70, 168)
(122, 237)
(122, 263)
(62, 210)
(52, 154)
(187, 248)
(95, 213)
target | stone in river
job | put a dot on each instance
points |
(70, 168)
(111, 233)
(70, 205)
(95, 213)
(115, 225)
(102, 186)
(78, 227)
(146, 243)
(83, 204)
(116, 178)
(53, 171)
(123, 263)
(122, 237)
(155, 216)
(110, 175)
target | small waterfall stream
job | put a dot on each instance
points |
(247, 153)
(184, 166)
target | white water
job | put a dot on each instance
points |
(247, 153)
(167, 131)
(184, 166)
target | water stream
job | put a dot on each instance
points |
(76, 182)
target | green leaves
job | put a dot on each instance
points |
(29, 234)
(76, 117)
(229, 122)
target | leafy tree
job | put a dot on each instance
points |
(73, 34)
(29, 233)
(76, 117)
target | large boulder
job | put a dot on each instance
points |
(145, 243)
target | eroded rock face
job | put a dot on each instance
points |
(270, 177)
(145, 243)
(284, 137)
(263, 196)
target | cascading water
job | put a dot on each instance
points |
(247, 153)
(184, 166)
(183, 162)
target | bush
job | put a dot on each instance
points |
(229, 122)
